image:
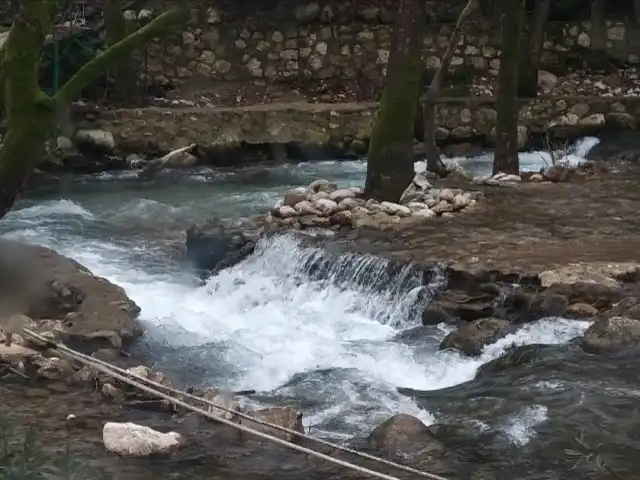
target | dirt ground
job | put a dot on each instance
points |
(526, 229)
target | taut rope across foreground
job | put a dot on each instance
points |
(139, 383)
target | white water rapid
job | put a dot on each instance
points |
(331, 337)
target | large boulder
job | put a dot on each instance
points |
(212, 247)
(131, 440)
(97, 139)
(472, 338)
(285, 417)
(89, 312)
(611, 334)
(405, 435)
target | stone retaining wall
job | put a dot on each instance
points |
(347, 43)
(345, 127)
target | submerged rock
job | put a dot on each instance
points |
(285, 417)
(131, 440)
(213, 247)
(406, 435)
(472, 338)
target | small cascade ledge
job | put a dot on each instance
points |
(323, 204)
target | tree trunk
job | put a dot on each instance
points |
(532, 50)
(31, 113)
(506, 154)
(434, 164)
(124, 74)
(597, 58)
(390, 164)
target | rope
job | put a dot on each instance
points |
(120, 374)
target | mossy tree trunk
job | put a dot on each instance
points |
(124, 74)
(390, 163)
(31, 113)
(506, 154)
(434, 164)
(532, 50)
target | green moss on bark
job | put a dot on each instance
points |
(390, 163)
(506, 154)
(31, 113)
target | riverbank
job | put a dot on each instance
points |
(106, 139)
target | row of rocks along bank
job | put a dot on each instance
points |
(323, 204)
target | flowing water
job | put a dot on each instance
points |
(335, 338)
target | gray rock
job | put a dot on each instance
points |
(99, 139)
(547, 80)
(611, 334)
(417, 189)
(295, 196)
(307, 13)
(472, 338)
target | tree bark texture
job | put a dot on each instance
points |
(532, 50)
(506, 154)
(596, 57)
(124, 74)
(390, 164)
(598, 32)
(434, 164)
(31, 113)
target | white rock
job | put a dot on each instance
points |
(446, 194)
(344, 217)
(461, 201)
(145, 14)
(294, 196)
(316, 185)
(371, 202)
(506, 178)
(431, 201)
(63, 143)
(284, 211)
(140, 371)
(223, 399)
(424, 213)
(395, 209)
(359, 211)
(341, 194)
(96, 138)
(131, 440)
(306, 208)
(358, 191)
(319, 196)
(130, 15)
(349, 203)
(547, 80)
(536, 177)
(326, 207)
(416, 206)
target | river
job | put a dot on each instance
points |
(335, 343)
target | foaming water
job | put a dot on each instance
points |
(325, 334)
(301, 327)
(480, 166)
